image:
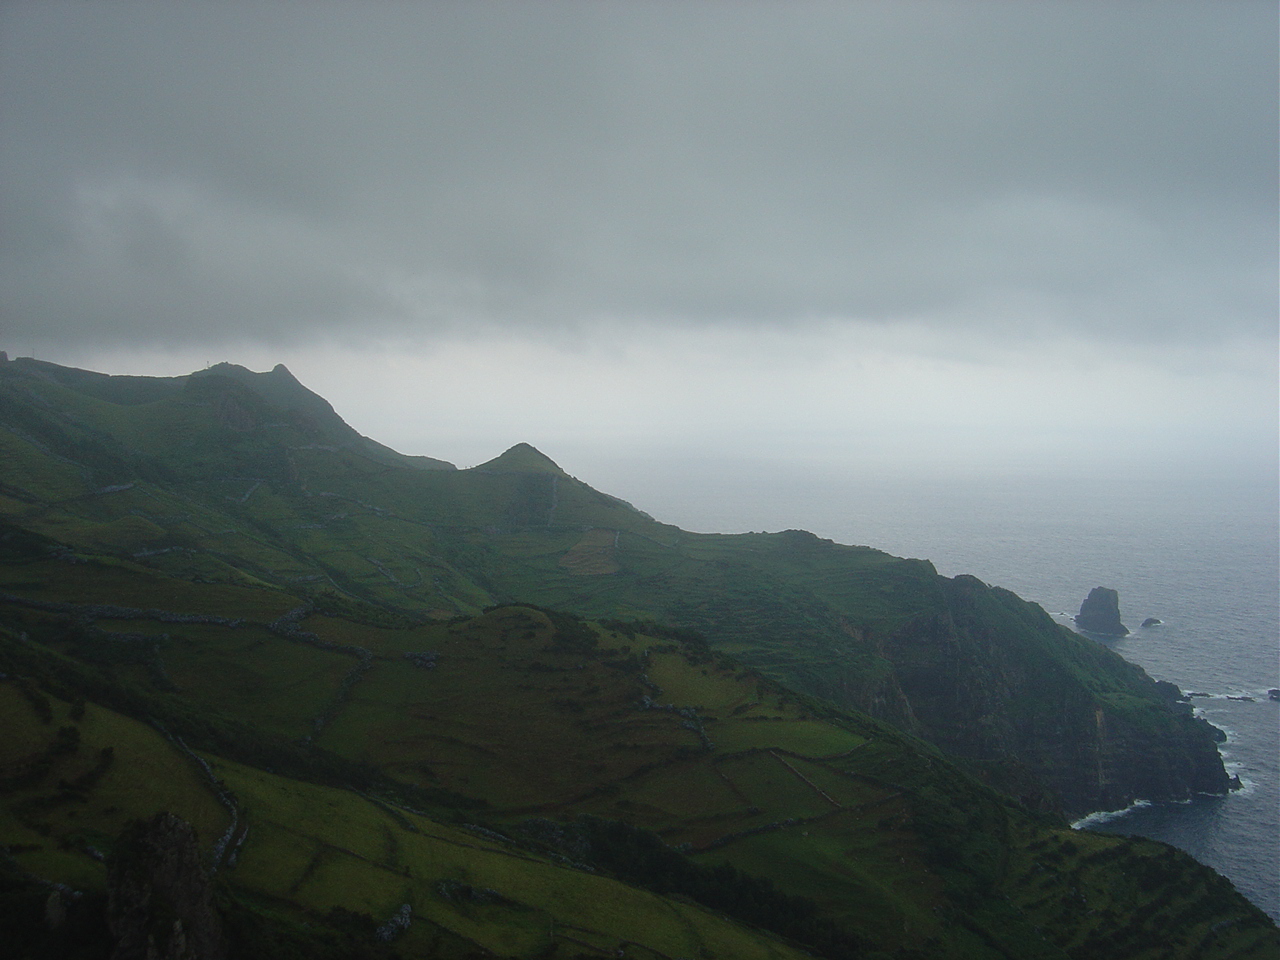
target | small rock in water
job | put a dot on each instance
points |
(1152, 622)
(1273, 694)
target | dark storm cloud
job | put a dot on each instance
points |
(195, 172)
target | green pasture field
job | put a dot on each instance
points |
(871, 883)
(50, 830)
(319, 847)
(42, 477)
(381, 640)
(480, 722)
(815, 738)
(323, 847)
(848, 790)
(712, 688)
(121, 535)
(106, 581)
(594, 554)
(252, 675)
(771, 786)
(684, 792)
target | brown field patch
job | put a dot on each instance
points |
(593, 555)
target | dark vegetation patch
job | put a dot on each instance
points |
(640, 857)
(69, 679)
(43, 921)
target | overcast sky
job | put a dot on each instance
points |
(962, 235)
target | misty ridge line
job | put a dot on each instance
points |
(1019, 236)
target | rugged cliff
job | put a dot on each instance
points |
(1037, 699)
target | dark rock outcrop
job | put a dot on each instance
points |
(160, 905)
(1152, 622)
(1100, 613)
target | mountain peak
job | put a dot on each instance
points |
(279, 387)
(522, 458)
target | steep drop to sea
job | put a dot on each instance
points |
(1198, 553)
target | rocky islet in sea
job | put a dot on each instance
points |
(1100, 613)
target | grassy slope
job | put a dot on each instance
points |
(208, 481)
(312, 848)
(272, 517)
(537, 716)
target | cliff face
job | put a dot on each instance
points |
(996, 681)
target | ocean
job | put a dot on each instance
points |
(1201, 555)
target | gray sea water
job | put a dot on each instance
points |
(1202, 555)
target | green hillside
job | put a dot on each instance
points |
(524, 779)
(493, 712)
(241, 478)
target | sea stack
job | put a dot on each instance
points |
(1100, 613)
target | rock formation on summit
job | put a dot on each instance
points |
(1100, 613)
